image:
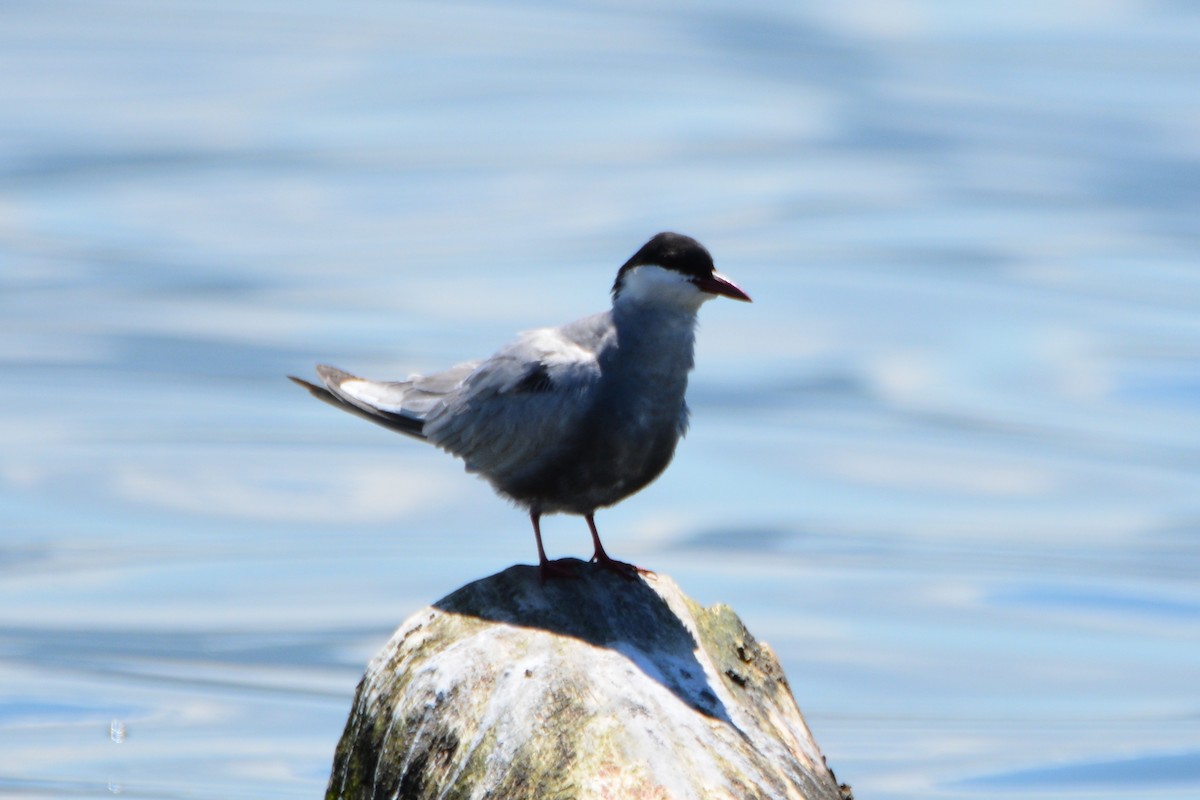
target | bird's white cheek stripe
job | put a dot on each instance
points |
(651, 283)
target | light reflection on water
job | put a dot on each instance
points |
(948, 463)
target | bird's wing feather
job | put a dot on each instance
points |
(331, 394)
(519, 405)
(501, 414)
(414, 397)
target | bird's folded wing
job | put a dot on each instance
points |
(519, 406)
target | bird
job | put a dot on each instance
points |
(569, 419)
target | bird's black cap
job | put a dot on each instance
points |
(672, 251)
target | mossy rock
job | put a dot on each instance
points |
(597, 687)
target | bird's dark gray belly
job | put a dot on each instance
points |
(597, 469)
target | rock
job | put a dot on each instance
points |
(599, 687)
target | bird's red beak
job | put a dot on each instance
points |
(719, 284)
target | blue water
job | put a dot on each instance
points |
(947, 464)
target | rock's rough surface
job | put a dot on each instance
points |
(599, 687)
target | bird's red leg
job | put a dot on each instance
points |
(602, 558)
(546, 567)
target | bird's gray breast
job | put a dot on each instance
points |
(621, 447)
(627, 437)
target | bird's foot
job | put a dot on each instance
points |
(556, 569)
(622, 568)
